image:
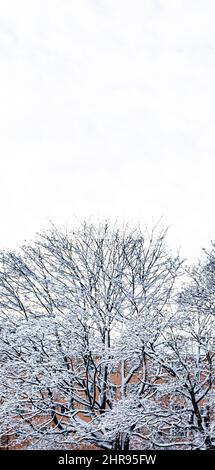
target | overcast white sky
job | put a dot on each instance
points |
(107, 109)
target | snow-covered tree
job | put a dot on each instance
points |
(94, 350)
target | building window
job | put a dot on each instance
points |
(113, 391)
(178, 432)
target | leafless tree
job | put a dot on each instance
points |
(94, 349)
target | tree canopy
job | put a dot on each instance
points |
(101, 344)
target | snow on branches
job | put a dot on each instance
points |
(95, 349)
